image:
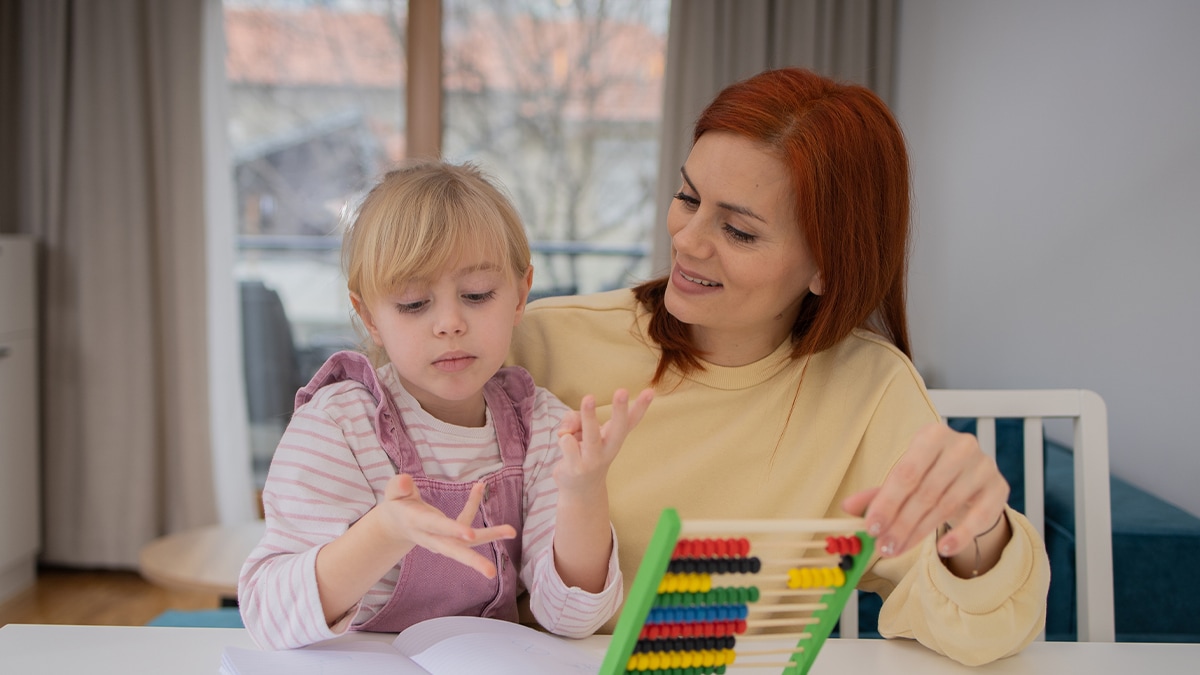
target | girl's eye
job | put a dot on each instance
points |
(411, 307)
(689, 202)
(738, 235)
(478, 298)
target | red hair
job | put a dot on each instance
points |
(850, 183)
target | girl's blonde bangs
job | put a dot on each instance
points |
(417, 223)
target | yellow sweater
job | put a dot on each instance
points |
(728, 443)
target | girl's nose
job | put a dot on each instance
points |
(450, 321)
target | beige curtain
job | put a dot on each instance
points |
(713, 43)
(112, 182)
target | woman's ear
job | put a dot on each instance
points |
(523, 287)
(817, 285)
(364, 315)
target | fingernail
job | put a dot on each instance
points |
(874, 529)
(887, 549)
(944, 548)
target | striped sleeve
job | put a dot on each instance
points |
(316, 487)
(562, 610)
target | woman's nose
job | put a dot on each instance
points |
(688, 238)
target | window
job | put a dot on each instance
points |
(559, 100)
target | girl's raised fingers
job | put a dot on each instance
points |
(587, 415)
(467, 515)
(638, 409)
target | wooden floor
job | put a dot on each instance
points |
(99, 598)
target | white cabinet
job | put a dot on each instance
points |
(20, 476)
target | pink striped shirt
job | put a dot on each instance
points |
(330, 469)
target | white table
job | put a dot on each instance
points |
(108, 650)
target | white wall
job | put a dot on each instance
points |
(1056, 159)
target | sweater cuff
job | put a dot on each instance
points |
(987, 592)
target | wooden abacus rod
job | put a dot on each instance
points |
(781, 592)
(798, 607)
(762, 578)
(757, 545)
(823, 561)
(748, 526)
(773, 637)
(785, 542)
(767, 623)
(769, 652)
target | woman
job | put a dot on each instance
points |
(779, 351)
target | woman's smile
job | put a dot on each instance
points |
(697, 280)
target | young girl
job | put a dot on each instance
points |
(430, 481)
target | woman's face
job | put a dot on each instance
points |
(740, 266)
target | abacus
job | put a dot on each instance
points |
(774, 574)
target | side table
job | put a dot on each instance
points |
(205, 559)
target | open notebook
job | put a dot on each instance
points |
(443, 646)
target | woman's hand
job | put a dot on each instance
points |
(943, 477)
(588, 447)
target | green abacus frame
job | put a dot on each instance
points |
(640, 599)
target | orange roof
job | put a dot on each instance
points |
(312, 47)
(561, 63)
(551, 63)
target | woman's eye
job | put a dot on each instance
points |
(689, 202)
(738, 235)
(478, 298)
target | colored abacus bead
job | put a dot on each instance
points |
(816, 577)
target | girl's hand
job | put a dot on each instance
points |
(588, 447)
(408, 518)
(943, 477)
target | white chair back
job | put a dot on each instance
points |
(1093, 516)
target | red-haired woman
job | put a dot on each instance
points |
(779, 351)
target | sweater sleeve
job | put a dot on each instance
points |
(314, 491)
(973, 621)
(564, 610)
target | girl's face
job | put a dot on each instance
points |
(448, 335)
(740, 266)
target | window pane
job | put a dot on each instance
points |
(315, 112)
(561, 102)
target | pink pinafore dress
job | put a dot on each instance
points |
(431, 585)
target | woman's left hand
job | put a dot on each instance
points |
(943, 477)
